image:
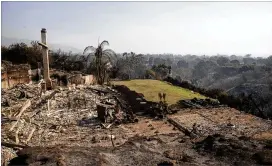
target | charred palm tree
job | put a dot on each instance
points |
(102, 57)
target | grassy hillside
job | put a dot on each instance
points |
(151, 88)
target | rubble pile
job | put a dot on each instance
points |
(95, 125)
(18, 93)
(135, 100)
(37, 119)
(7, 154)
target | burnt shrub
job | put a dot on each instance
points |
(123, 76)
(57, 77)
(241, 103)
(229, 100)
(36, 77)
(246, 68)
(64, 80)
(213, 93)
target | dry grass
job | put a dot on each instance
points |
(151, 88)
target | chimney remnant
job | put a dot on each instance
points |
(46, 74)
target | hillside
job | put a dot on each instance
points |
(151, 88)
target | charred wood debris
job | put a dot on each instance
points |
(27, 113)
(109, 105)
(27, 110)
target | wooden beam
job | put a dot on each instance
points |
(12, 145)
(181, 128)
(23, 108)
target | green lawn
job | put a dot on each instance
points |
(151, 88)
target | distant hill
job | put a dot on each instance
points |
(6, 41)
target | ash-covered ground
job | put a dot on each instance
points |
(64, 127)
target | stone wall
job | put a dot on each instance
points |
(14, 74)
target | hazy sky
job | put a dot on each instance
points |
(147, 27)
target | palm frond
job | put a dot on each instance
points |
(139, 56)
(110, 53)
(91, 48)
(89, 56)
(107, 56)
(125, 53)
(104, 43)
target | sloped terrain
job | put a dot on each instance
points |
(67, 131)
(151, 88)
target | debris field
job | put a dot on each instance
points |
(101, 125)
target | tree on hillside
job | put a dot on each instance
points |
(233, 57)
(248, 55)
(17, 53)
(203, 68)
(158, 61)
(132, 65)
(168, 62)
(20, 53)
(129, 63)
(34, 54)
(102, 57)
(59, 60)
(235, 62)
(150, 61)
(183, 64)
(222, 61)
(161, 70)
(249, 61)
(4, 51)
(269, 61)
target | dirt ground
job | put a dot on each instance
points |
(70, 134)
